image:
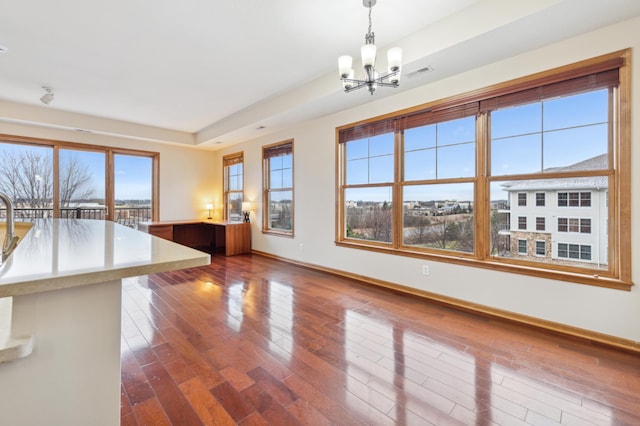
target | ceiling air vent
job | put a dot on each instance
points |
(420, 71)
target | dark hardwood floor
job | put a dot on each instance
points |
(252, 341)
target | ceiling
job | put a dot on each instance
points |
(211, 73)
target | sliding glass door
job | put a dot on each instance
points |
(82, 184)
(64, 180)
(133, 189)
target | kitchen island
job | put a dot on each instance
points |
(60, 347)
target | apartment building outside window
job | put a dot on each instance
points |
(278, 188)
(522, 247)
(451, 179)
(522, 222)
(522, 199)
(233, 183)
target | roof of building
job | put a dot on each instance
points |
(598, 162)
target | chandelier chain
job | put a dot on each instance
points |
(370, 37)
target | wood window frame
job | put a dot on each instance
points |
(109, 152)
(610, 70)
(230, 160)
(285, 147)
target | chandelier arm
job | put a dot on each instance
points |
(359, 85)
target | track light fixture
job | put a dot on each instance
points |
(47, 97)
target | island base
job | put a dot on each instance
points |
(72, 376)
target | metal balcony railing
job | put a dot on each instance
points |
(129, 216)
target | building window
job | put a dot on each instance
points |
(574, 251)
(522, 247)
(408, 182)
(541, 248)
(574, 199)
(522, 199)
(582, 226)
(233, 181)
(563, 224)
(278, 188)
(522, 222)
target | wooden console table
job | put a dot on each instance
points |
(232, 237)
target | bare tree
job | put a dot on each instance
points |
(440, 234)
(451, 233)
(27, 177)
(75, 182)
(378, 222)
(418, 230)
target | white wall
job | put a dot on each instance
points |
(186, 174)
(612, 312)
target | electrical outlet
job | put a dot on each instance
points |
(425, 270)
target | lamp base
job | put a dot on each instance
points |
(246, 216)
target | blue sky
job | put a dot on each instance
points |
(132, 174)
(525, 139)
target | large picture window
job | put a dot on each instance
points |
(278, 188)
(451, 180)
(233, 169)
(57, 179)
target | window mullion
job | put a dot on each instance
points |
(481, 209)
(397, 201)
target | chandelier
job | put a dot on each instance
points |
(371, 78)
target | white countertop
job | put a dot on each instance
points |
(62, 253)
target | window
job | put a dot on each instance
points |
(445, 180)
(522, 199)
(57, 179)
(574, 199)
(522, 247)
(563, 224)
(522, 222)
(233, 181)
(574, 251)
(278, 188)
(574, 225)
(582, 226)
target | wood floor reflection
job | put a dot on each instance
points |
(252, 341)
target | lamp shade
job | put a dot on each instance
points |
(394, 58)
(344, 65)
(246, 206)
(209, 206)
(368, 52)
